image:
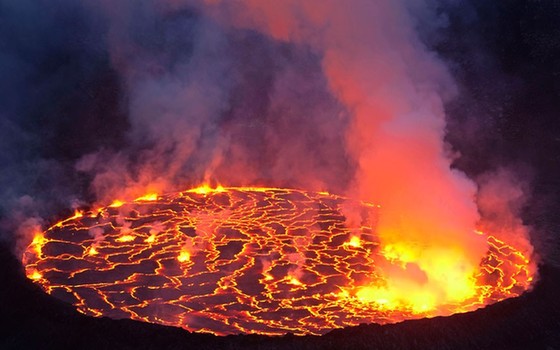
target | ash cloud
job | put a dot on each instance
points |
(215, 104)
(106, 100)
(395, 89)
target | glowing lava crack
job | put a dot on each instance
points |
(252, 260)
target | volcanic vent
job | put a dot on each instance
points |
(251, 260)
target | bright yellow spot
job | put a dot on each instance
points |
(148, 197)
(93, 251)
(126, 238)
(77, 214)
(184, 256)
(354, 242)
(205, 189)
(450, 270)
(400, 252)
(422, 301)
(267, 277)
(150, 239)
(117, 203)
(294, 281)
(36, 276)
(343, 294)
(374, 295)
(418, 301)
(38, 241)
(425, 278)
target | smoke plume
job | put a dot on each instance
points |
(394, 89)
(320, 95)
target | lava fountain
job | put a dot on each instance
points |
(251, 260)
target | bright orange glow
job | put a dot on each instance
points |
(354, 242)
(206, 189)
(147, 197)
(294, 281)
(38, 242)
(38, 239)
(117, 203)
(287, 258)
(184, 256)
(35, 276)
(125, 238)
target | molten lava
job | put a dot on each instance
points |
(253, 260)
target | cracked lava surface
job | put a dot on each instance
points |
(246, 260)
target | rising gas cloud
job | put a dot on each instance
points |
(394, 89)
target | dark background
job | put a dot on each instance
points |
(505, 56)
